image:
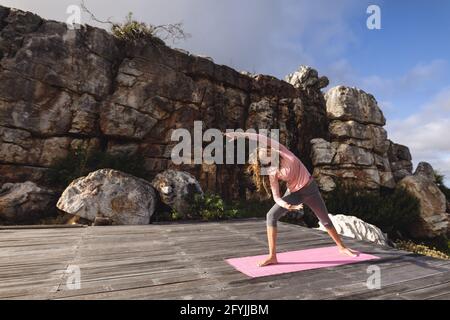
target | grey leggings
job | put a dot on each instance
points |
(309, 195)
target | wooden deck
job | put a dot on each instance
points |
(186, 261)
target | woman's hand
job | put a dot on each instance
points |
(293, 207)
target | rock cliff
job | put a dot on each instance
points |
(62, 88)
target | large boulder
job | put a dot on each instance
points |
(433, 220)
(345, 103)
(176, 188)
(356, 228)
(108, 193)
(25, 202)
(424, 169)
(306, 77)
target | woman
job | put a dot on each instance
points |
(301, 188)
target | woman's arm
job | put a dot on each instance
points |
(285, 152)
(275, 186)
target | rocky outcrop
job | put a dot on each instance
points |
(358, 145)
(107, 193)
(425, 170)
(62, 88)
(433, 220)
(24, 203)
(307, 79)
(400, 160)
(176, 188)
(356, 228)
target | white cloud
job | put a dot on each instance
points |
(426, 133)
(341, 72)
(263, 36)
(440, 104)
(414, 79)
(386, 105)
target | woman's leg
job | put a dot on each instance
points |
(317, 205)
(272, 217)
(337, 239)
(272, 240)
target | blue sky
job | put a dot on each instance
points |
(405, 65)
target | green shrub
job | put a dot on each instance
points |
(210, 206)
(424, 249)
(251, 208)
(175, 215)
(132, 30)
(440, 183)
(390, 210)
(440, 243)
(79, 162)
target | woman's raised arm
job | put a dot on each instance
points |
(285, 152)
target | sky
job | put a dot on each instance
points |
(405, 64)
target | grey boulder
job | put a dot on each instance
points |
(107, 193)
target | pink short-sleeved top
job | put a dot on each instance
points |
(291, 168)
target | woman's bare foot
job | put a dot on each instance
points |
(268, 261)
(348, 252)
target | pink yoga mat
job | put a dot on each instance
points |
(293, 261)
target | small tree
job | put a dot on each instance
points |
(132, 31)
(439, 177)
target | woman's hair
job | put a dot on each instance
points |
(261, 182)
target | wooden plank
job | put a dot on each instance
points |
(186, 260)
(42, 226)
(445, 296)
(401, 287)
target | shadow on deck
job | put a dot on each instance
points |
(186, 261)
